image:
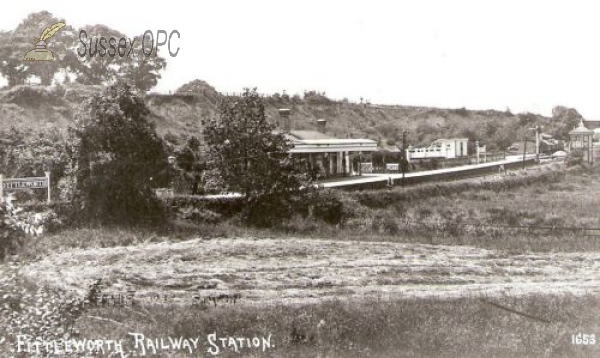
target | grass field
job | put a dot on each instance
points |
(295, 270)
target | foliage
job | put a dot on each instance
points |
(380, 158)
(324, 204)
(116, 152)
(24, 153)
(381, 199)
(575, 157)
(37, 312)
(203, 209)
(315, 97)
(198, 86)
(10, 236)
(566, 119)
(139, 70)
(190, 165)
(252, 159)
(142, 71)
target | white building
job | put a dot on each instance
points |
(441, 149)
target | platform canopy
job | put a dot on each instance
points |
(316, 142)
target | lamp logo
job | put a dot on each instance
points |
(40, 52)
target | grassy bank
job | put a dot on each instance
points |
(538, 326)
(557, 213)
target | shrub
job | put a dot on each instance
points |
(575, 157)
(10, 236)
(28, 95)
(206, 209)
(326, 205)
(39, 313)
(390, 226)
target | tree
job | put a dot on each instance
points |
(97, 70)
(15, 44)
(32, 26)
(198, 87)
(140, 70)
(12, 66)
(136, 69)
(116, 154)
(252, 159)
(192, 164)
(565, 119)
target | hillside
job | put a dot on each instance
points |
(40, 108)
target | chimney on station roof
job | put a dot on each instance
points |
(321, 123)
(284, 116)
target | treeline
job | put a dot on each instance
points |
(141, 71)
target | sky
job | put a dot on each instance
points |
(526, 56)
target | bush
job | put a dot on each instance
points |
(202, 208)
(10, 236)
(390, 226)
(116, 150)
(326, 205)
(28, 95)
(574, 158)
(37, 312)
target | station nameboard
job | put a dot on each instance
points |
(25, 183)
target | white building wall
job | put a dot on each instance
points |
(447, 149)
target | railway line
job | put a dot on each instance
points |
(378, 180)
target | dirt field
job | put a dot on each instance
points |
(303, 270)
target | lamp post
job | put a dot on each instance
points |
(170, 162)
(524, 150)
(404, 159)
(537, 142)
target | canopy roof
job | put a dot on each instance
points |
(581, 129)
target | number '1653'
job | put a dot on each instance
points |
(585, 339)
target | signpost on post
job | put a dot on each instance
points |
(26, 183)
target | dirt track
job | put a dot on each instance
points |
(302, 270)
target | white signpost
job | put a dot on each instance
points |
(25, 183)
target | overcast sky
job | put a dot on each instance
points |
(524, 55)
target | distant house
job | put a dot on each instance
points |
(440, 149)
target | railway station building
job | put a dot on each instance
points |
(330, 156)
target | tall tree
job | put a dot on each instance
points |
(252, 159)
(116, 153)
(140, 70)
(565, 119)
(12, 66)
(94, 69)
(137, 69)
(16, 43)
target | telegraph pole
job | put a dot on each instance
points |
(404, 159)
(524, 150)
(537, 143)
